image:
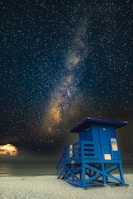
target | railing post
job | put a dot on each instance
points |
(82, 151)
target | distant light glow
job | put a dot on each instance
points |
(8, 149)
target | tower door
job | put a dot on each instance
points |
(105, 143)
(109, 144)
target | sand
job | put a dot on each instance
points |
(49, 187)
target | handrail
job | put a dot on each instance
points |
(78, 150)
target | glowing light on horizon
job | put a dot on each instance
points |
(8, 149)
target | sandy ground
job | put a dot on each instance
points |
(49, 187)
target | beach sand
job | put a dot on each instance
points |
(49, 187)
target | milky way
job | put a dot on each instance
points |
(66, 95)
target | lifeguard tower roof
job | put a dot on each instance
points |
(90, 121)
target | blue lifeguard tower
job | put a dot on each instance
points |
(95, 159)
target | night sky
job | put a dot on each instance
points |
(60, 62)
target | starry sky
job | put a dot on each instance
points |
(60, 62)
